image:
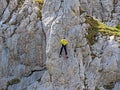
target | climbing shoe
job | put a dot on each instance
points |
(66, 56)
(59, 56)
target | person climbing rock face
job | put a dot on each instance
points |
(64, 43)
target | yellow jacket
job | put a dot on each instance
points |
(64, 41)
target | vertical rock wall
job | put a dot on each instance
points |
(22, 44)
(108, 11)
(89, 67)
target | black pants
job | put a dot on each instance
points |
(63, 46)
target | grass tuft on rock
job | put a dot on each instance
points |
(97, 26)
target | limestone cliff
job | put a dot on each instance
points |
(22, 44)
(27, 42)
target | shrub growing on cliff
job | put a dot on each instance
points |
(40, 4)
(13, 81)
(40, 1)
(97, 26)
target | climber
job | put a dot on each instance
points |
(64, 43)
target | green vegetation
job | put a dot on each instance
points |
(108, 86)
(13, 81)
(40, 4)
(97, 26)
(40, 1)
(93, 56)
(20, 3)
(96, 88)
(118, 26)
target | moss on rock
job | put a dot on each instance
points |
(13, 81)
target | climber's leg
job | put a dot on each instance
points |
(65, 51)
(61, 51)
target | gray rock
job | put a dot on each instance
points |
(21, 46)
(27, 43)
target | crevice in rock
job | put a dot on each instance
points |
(85, 82)
(13, 33)
(33, 71)
(79, 69)
(8, 1)
(5, 8)
(3, 37)
(50, 78)
(102, 6)
(43, 44)
(114, 5)
(61, 4)
(103, 11)
(14, 10)
(81, 10)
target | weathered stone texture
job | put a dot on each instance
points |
(24, 47)
(22, 44)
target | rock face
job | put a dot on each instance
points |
(22, 44)
(108, 11)
(89, 67)
(24, 47)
